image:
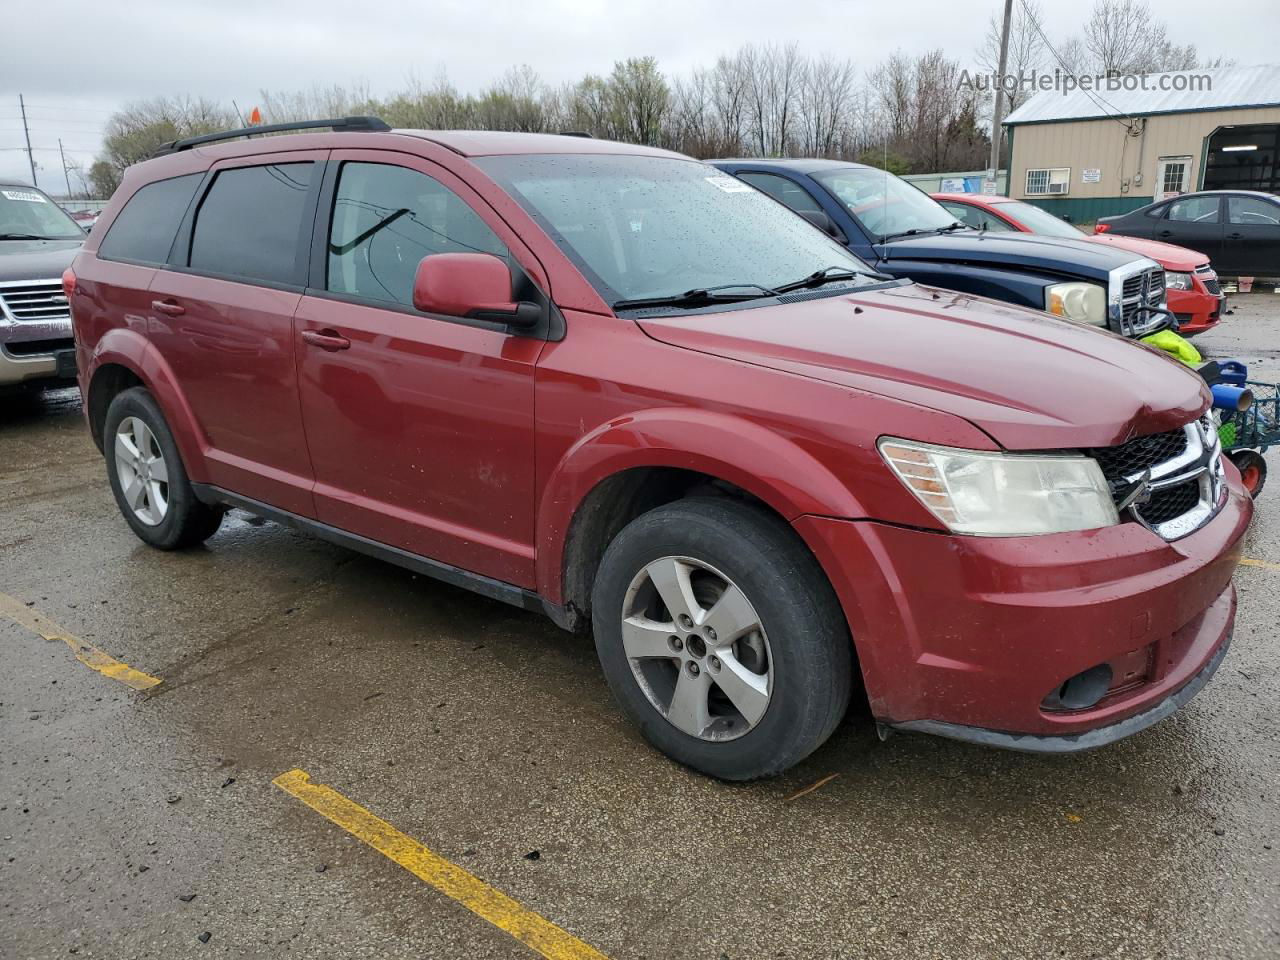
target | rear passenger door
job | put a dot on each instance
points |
(222, 318)
(420, 426)
(1193, 221)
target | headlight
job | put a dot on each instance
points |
(1081, 302)
(1003, 494)
(1177, 281)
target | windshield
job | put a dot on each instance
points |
(642, 227)
(26, 213)
(883, 204)
(1040, 221)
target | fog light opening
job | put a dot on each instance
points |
(1081, 691)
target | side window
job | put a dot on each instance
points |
(1194, 210)
(1251, 210)
(145, 228)
(386, 219)
(249, 221)
(1158, 211)
(975, 217)
(780, 188)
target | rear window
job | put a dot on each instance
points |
(249, 223)
(145, 228)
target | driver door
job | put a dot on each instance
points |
(1251, 245)
(420, 427)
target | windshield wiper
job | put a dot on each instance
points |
(698, 297)
(915, 231)
(25, 236)
(819, 277)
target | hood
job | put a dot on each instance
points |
(1029, 380)
(1168, 255)
(36, 259)
(1049, 254)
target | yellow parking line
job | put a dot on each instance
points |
(85, 652)
(1252, 562)
(529, 928)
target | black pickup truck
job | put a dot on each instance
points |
(906, 233)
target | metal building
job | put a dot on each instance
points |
(1090, 154)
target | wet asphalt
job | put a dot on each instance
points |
(133, 823)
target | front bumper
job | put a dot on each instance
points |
(972, 637)
(35, 349)
(1197, 309)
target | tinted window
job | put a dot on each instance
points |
(249, 221)
(386, 219)
(780, 188)
(146, 226)
(1251, 210)
(1194, 210)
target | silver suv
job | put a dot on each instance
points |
(38, 241)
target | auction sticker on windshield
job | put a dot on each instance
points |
(730, 184)
(27, 195)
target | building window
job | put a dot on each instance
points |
(1054, 180)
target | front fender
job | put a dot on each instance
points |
(128, 348)
(747, 454)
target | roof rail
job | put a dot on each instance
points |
(371, 124)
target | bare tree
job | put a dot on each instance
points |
(1125, 37)
(1026, 53)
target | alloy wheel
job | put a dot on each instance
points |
(697, 648)
(143, 473)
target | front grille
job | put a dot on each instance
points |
(1133, 457)
(35, 348)
(1170, 503)
(37, 300)
(1141, 290)
(1210, 283)
(1170, 482)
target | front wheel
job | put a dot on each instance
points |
(721, 638)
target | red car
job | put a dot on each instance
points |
(615, 385)
(1190, 280)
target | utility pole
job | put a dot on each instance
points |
(65, 174)
(996, 129)
(31, 157)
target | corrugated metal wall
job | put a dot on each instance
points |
(1103, 145)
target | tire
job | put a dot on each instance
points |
(167, 515)
(796, 654)
(1253, 470)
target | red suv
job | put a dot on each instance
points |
(615, 385)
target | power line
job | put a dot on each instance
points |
(1097, 101)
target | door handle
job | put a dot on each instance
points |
(330, 340)
(1165, 233)
(1235, 236)
(168, 307)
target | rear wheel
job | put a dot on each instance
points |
(721, 638)
(1253, 470)
(148, 478)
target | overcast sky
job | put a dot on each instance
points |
(76, 60)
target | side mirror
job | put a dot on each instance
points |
(824, 223)
(473, 285)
